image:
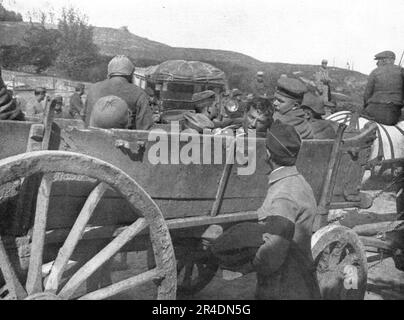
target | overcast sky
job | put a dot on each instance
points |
(292, 31)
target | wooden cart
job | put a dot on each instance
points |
(73, 198)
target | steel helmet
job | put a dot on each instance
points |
(110, 112)
(120, 66)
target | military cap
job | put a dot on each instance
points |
(200, 96)
(198, 122)
(315, 103)
(236, 92)
(385, 55)
(110, 112)
(291, 88)
(283, 141)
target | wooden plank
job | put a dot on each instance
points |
(102, 257)
(375, 228)
(29, 185)
(74, 236)
(123, 285)
(221, 190)
(34, 279)
(48, 121)
(101, 232)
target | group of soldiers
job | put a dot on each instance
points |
(277, 247)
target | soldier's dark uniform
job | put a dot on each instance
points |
(118, 85)
(322, 129)
(384, 92)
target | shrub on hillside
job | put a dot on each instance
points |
(8, 15)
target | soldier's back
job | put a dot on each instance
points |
(116, 86)
(388, 84)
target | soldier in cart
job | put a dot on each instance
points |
(120, 84)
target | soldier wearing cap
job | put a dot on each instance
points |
(288, 97)
(206, 111)
(35, 108)
(110, 112)
(76, 107)
(383, 98)
(9, 108)
(120, 84)
(313, 107)
(281, 240)
(259, 87)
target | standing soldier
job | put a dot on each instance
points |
(76, 106)
(35, 108)
(278, 248)
(323, 81)
(120, 84)
(383, 96)
(259, 87)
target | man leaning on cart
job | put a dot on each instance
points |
(278, 247)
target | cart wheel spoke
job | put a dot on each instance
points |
(116, 288)
(189, 267)
(74, 236)
(16, 291)
(34, 279)
(103, 256)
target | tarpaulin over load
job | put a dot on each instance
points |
(181, 70)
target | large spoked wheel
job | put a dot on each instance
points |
(341, 263)
(38, 284)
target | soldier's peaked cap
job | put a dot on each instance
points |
(200, 96)
(385, 55)
(291, 88)
(283, 141)
(313, 102)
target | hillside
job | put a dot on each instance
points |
(240, 68)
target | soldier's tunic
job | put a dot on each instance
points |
(76, 107)
(289, 196)
(322, 80)
(135, 97)
(34, 109)
(295, 117)
(384, 94)
(323, 129)
(259, 89)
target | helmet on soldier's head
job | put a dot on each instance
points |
(110, 112)
(120, 66)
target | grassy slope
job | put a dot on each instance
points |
(240, 68)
